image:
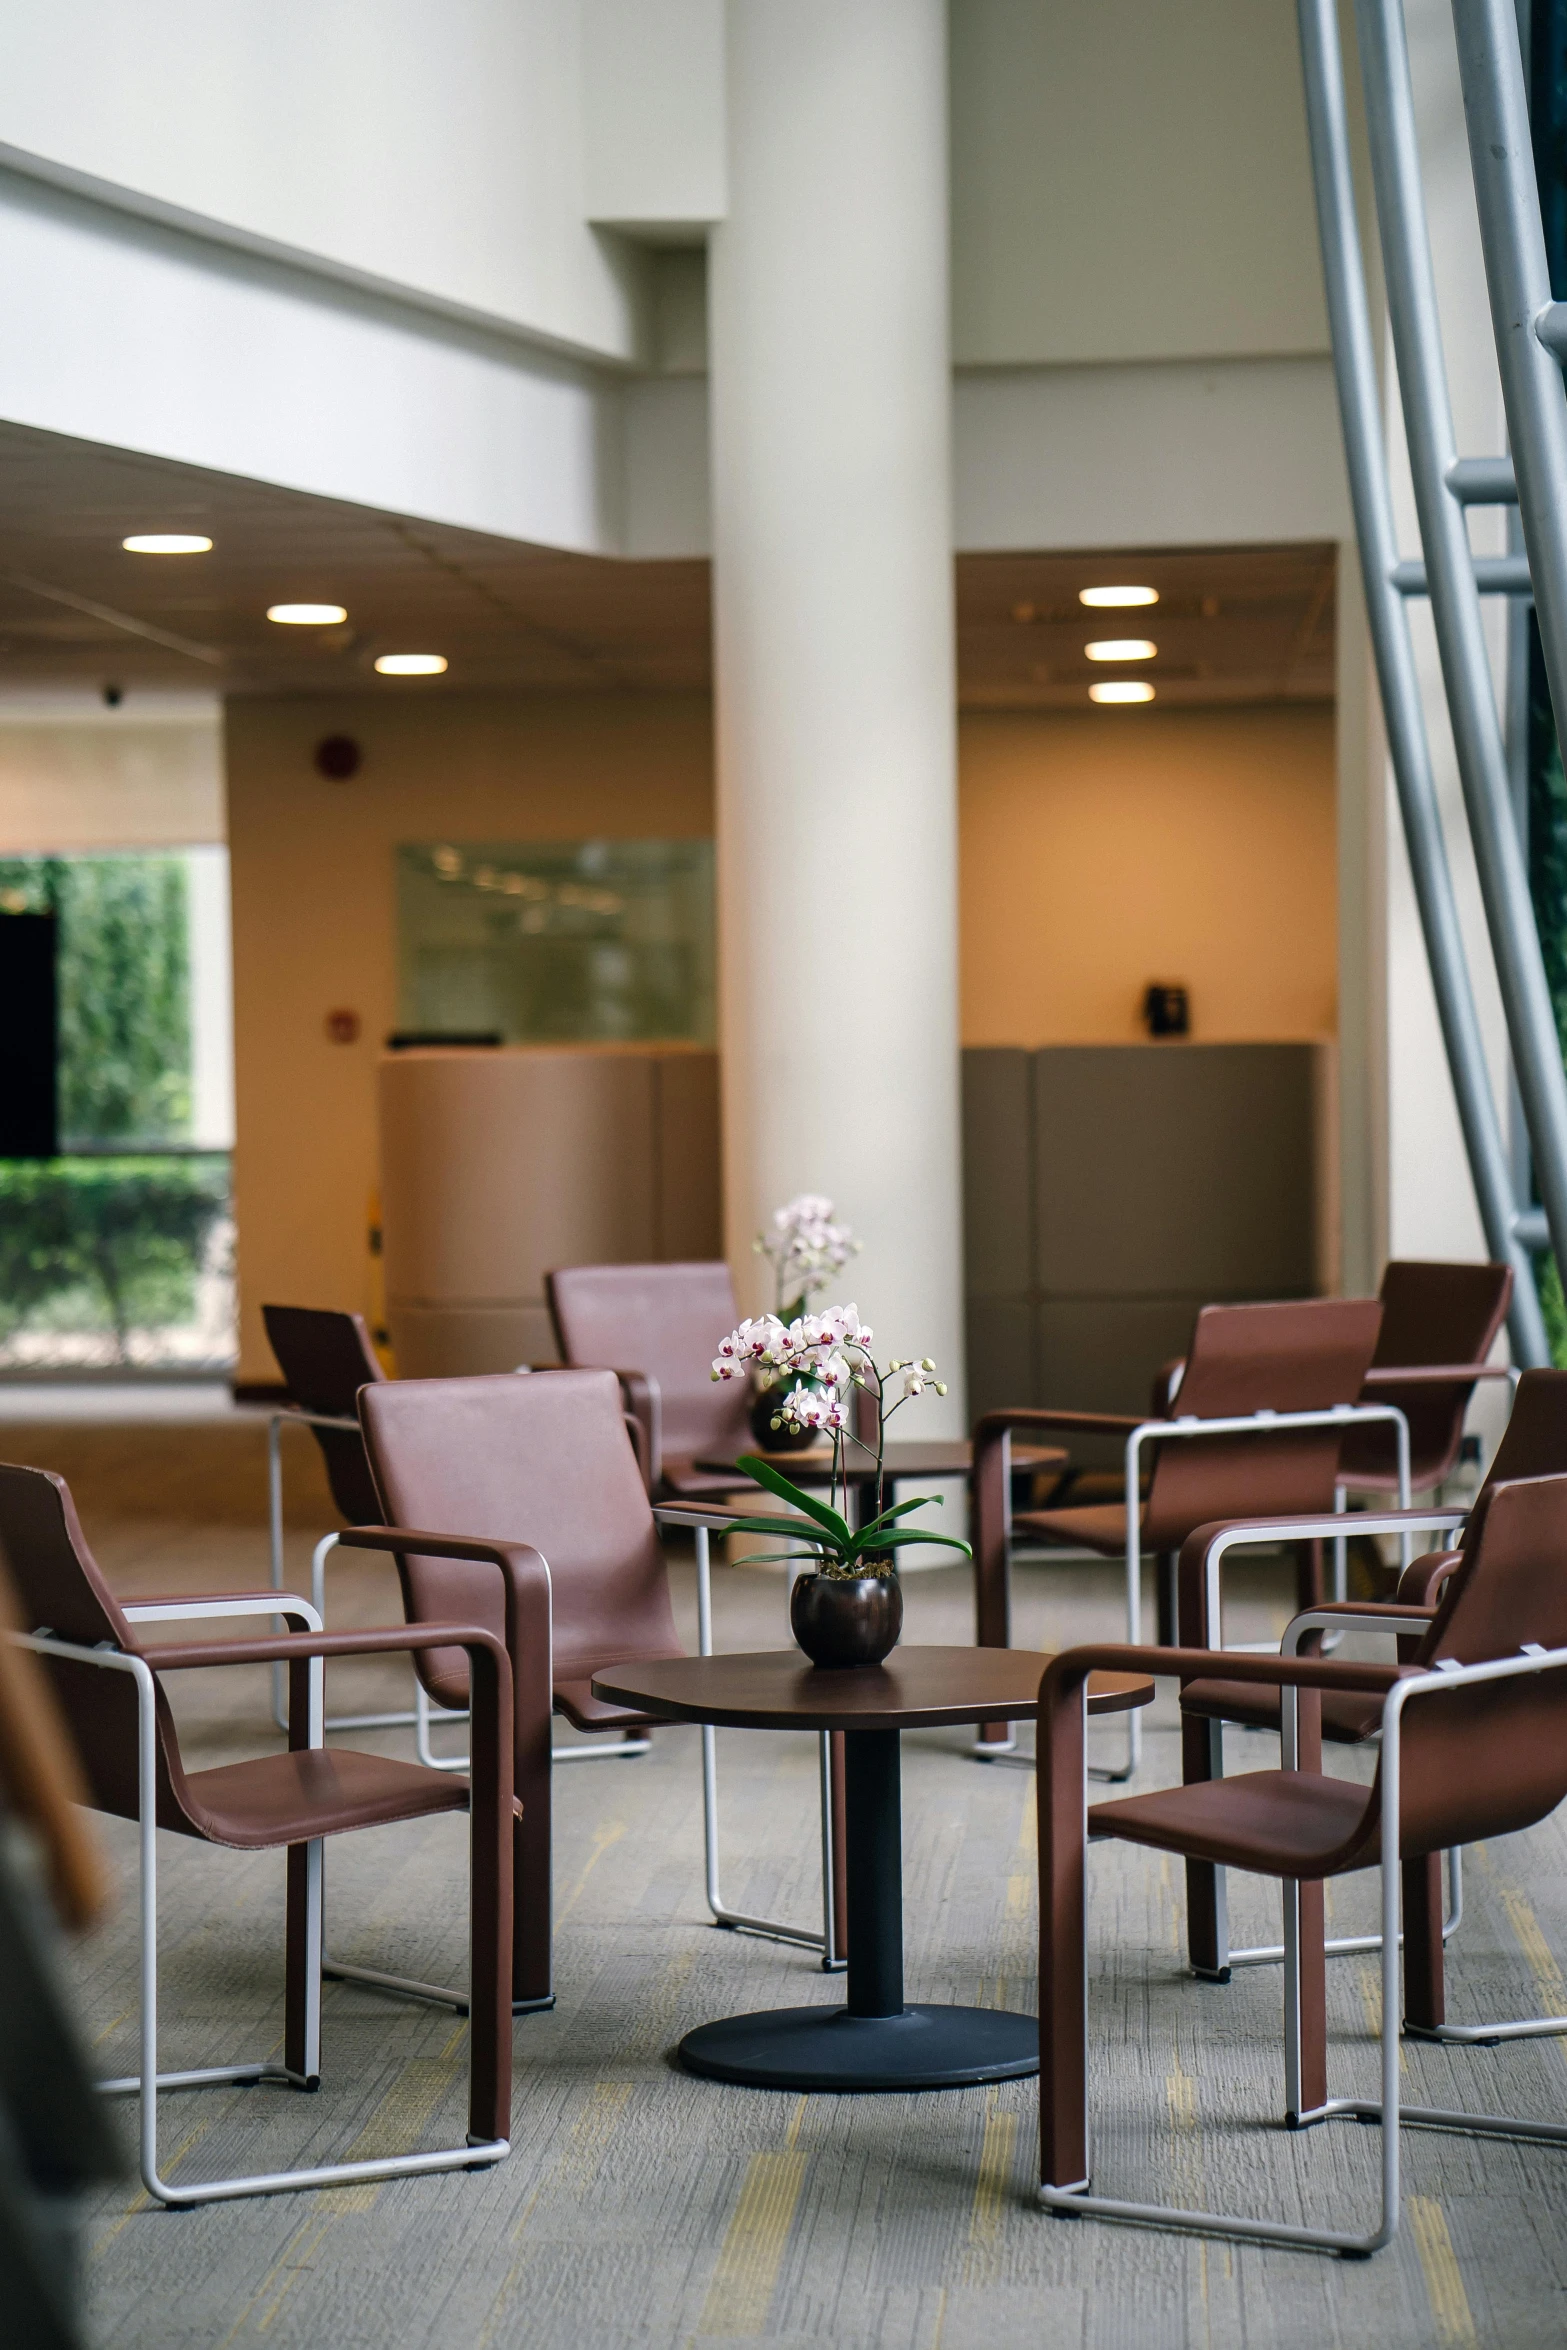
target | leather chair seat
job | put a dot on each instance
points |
(1100, 1526)
(1277, 1823)
(289, 1798)
(1345, 1718)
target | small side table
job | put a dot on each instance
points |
(875, 2041)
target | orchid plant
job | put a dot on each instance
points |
(832, 1351)
(805, 1248)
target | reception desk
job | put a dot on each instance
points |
(498, 1164)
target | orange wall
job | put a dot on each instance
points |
(1098, 852)
(315, 921)
(1104, 850)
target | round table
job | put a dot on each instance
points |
(874, 2041)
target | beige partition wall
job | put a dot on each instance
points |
(496, 1165)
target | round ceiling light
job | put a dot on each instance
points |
(411, 664)
(167, 542)
(1121, 689)
(1121, 648)
(1108, 599)
(306, 615)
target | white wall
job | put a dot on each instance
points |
(1130, 181)
(435, 144)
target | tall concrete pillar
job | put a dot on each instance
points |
(837, 846)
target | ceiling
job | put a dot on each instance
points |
(1233, 625)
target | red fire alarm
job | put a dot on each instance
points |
(342, 1027)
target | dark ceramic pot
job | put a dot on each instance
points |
(846, 1619)
(771, 1439)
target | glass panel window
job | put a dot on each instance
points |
(557, 942)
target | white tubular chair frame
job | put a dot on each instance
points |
(1236, 1537)
(702, 1523)
(148, 2080)
(1388, 2110)
(1260, 1423)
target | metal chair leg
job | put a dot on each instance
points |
(148, 2080)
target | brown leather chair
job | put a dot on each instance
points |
(1534, 1444)
(1439, 1323)
(1267, 1365)
(1473, 1744)
(658, 1328)
(536, 1476)
(108, 1681)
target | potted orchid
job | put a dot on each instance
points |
(806, 1247)
(848, 1610)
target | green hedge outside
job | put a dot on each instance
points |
(89, 1244)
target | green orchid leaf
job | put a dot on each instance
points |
(766, 1475)
(905, 1534)
(901, 1509)
(768, 1558)
(790, 1529)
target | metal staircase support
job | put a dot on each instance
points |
(1387, 585)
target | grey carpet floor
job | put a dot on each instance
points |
(642, 2206)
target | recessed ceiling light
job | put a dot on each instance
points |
(167, 542)
(411, 664)
(1121, 648)
(1104, 599)
(1121, 689)
(307, 615)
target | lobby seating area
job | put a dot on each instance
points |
(641, 2203)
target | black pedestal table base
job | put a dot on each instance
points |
(874, 2041)
(828, 2048)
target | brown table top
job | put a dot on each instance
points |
(932, 1457)
(917, 1688)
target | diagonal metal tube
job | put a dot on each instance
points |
(1355, 372)
(1455, 600)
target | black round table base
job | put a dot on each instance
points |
(827, 2048)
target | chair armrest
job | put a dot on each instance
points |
(997, 1424)
(1420, 1583)
(179, 1656)
(1068, 1671)
(176, 1606)
(1434, 1374)
(1198, 1573)
(1375, 1609)
(639, 1392)
(525, 1583)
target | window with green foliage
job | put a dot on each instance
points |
(110, 1254)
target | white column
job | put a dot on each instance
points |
(837, 835)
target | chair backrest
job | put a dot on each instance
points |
(326, 1357)
(1492, 1759)
(546, 1461)
(1431, 1313)
(1534, 1442)
(663, 1319)
(61, 1589)
(1304, 1355)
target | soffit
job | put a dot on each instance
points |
(1233, 625)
